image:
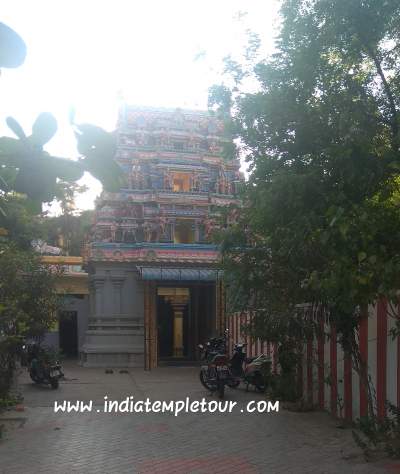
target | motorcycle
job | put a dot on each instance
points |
(251, 370)
(216, 373)
(42, 367)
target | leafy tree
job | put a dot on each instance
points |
(28, 304)
(27, 169)
(29, 176)
(67, 231)
(18, 223)
(321, 134)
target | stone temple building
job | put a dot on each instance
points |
(155, 287)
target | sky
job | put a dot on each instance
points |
(91, 55)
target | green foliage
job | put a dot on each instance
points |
(6, 403)
(36, 172)
(374, 435)
(28, 304)
(29, 176)
(28, 300)
(70, 229)
(21, 226)
(284, 385)
(98, 149)
(321, 219)
(27, 169)
(220, 96)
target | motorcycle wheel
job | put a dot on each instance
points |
(259, 383)
(234, 384)
(205, 383)
(54, 384)
(33, 377)
(221, 390)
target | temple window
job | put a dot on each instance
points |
(184, 232)
(119, 235)
(129, 236)
(181, 182)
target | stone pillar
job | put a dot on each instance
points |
(197, 231)
(150, 325)
(98, 283)
(178, 329)
(92, 292)
(118, 282)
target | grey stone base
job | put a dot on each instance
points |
(111, 359)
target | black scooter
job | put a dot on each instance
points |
(42, 369)
(251, 370)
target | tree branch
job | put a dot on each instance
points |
(394, 125)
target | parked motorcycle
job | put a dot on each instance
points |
(251, 370)
(42, 367)
(216, 373)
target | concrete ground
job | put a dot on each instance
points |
(41, 441)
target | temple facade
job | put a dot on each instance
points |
(155, 287)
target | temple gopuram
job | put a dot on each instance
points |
(155, 287)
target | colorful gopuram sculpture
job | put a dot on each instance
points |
(157, 232)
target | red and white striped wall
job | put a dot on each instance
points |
(328, 378)
(235, 322)
(346, 395)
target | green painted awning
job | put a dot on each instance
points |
(179, 274)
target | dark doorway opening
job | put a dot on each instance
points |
(172, 322)
(68, 333)
(186, 316)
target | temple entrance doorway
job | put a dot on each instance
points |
(177, 317)
(173, 312)
(68, 333)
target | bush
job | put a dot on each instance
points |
(374, 435)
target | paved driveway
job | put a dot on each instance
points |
(197, 443)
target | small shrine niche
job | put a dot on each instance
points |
(181, 182)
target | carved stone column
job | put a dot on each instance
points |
(118, 282)
(178, 329)
(98, 284)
